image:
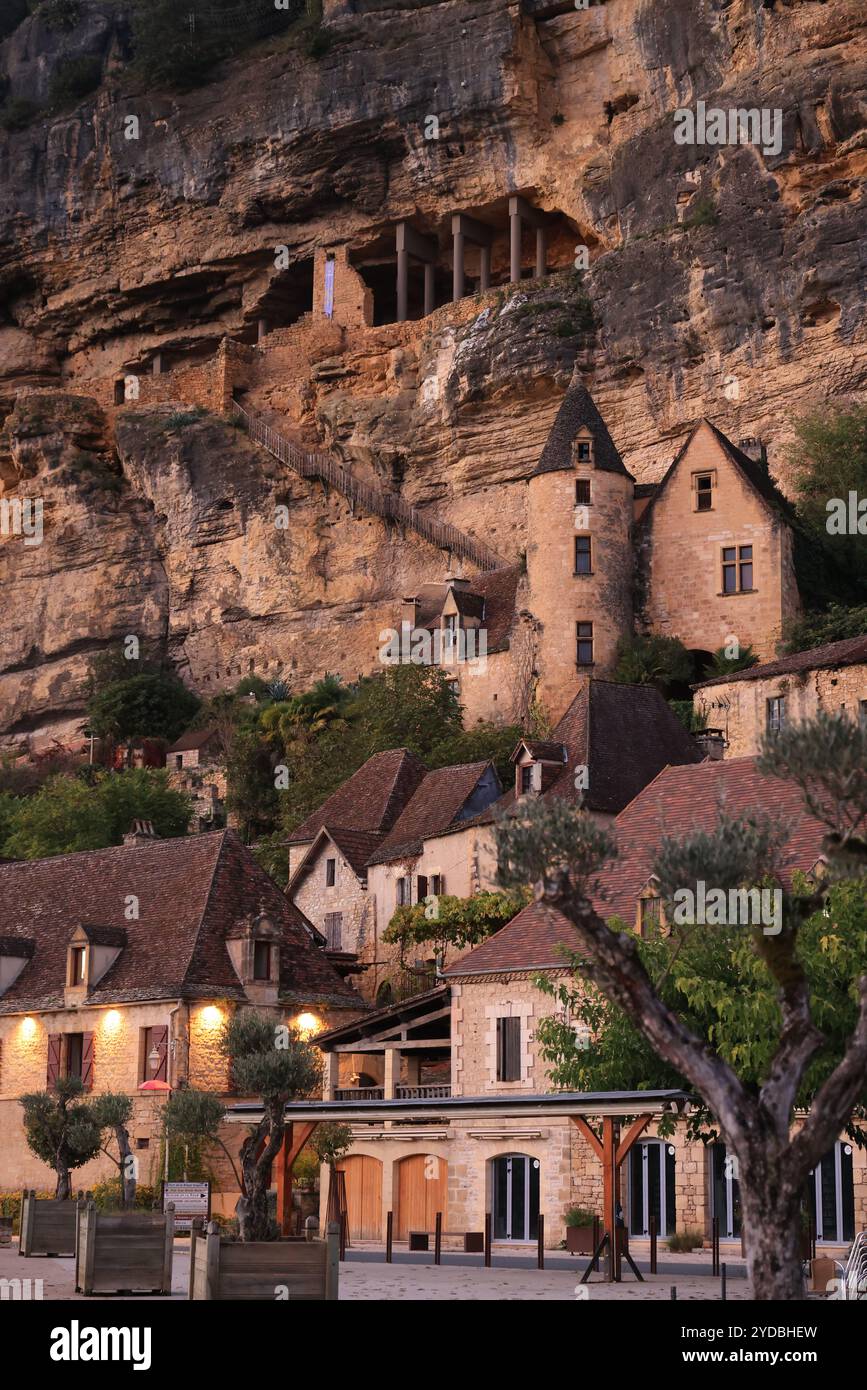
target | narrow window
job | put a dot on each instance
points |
(74, 1054)
(649, 915)
(438, 885)
(745, 560)
(508, 1049)
(421, 888)
(776, 714)
(582, 492)
(77, 963)
(862, 714)
(330, 873)
(403, 894)
(583, 451)
(526, 779)
(729, 569)
(582, 555)
(261, 960)
(584, 636)
(703, 492)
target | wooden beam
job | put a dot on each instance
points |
(294, 1139)
(586, 1132)
(400, 1046)
(634, 1132)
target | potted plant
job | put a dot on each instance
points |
(579, 1231)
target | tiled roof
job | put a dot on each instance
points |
(624, 735)
(433, 809)
(371, 799)
(577, 410)
(543, 750)
(534, 940)
(191, 891)
(193, 738)
(755, 473)
(850, 652)
(495, 591)
(683, 800)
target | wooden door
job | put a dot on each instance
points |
(422, 1191)
(363, 1196)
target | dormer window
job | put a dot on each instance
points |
(15, 953)
(527, 778)
(77, 966)
(254, 950)
(584, 451)
(703, 485)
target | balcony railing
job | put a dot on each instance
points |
(439, 1091)
(360, 1093)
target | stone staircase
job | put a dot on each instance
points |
(312, 464)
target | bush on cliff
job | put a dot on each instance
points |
(68, 815)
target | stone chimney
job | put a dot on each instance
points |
(409, 611)
(755, 449)
(711, 743)
(457, 581)
(141, 832)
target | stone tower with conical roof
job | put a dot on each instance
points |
(579, 550)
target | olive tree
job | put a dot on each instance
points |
(62, 1129)
(560, 850)
(270, 1061)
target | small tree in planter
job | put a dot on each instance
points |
(579, 1231)
(195, 1116)
(277, 1065)
(330, 1143)
(113, 1111)
(62, 1130)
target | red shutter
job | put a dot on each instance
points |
(87, 1061)
(159, 1039)
(54, 1043)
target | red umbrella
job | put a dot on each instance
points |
(155, 1086)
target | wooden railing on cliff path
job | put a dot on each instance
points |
(314, 464)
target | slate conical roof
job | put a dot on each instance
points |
(577, 410)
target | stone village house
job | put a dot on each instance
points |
(464, 1119)
(120, 966)
(393, 834)
(746, 705)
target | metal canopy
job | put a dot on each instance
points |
(565, 1103)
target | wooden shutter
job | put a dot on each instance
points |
(54, 1047)
(160, 1040)
(508, 1049)
(87, 1061)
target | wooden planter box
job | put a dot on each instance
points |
(294, 1269)
(579, 1240)
(124, 1251)
(47, 1225)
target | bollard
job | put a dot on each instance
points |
(438, 1238)
(389, 1236)
(487, 1240)
(674, 1293)
(722, 1283)
(653, 1244)
(714, 1245)
(343, 1236)
(597, 1236)
(540, 1243)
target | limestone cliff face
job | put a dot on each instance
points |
(724, 282)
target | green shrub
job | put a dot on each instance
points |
(74, 79)
(180, 418)
(60, 14)
(685, 1241)
(18, 113)
(703, 214)
(10, 1205)
(579, 1216)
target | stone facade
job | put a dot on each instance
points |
(741, 708)
(680, 556)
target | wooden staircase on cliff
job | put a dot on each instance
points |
(313, 464)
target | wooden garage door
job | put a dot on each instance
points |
(363, 1196)
(422, 1191)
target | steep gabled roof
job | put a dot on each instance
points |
(755, 474)
(193, 738)
(191, 892)
(356, 847)
(577, 410)
(371, 799)
(434, 807)
(537, 938)
(683, 800)
(849, 652)
(624, 735)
